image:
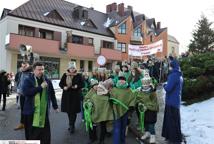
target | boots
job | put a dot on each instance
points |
(72, 129)
(145, 136)
(152, 139)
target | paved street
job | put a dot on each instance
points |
(59, 125)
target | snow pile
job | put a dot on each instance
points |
(197, 122)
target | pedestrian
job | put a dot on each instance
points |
(122, 99)
(172, 122)
(26, 70)
(71, 83)
(39, 92)
(5, 82)
(147, 104)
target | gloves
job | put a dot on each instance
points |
(44, 84)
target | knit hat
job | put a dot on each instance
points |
(93, 82)
(134, 65)
(72, 64)
(146, 80)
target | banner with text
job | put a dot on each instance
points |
(143, 50)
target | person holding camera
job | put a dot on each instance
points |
(39, 92)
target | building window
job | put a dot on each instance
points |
(151, 40)
(46, 34)
(107, 44)
(26, 30)
(77, 39)
(122, 28)
(121, 47)
(137, 32)
(173, 50)
(82, 65)
(51, 66)
(90, 41)
(90, 66)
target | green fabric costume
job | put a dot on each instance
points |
(101, 110)
(40, 105)
(125, 96)
(149, 99)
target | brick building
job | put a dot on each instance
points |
(60, 31)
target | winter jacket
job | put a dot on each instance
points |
(29, 92)
(174, 85)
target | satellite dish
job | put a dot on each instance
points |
(101, 60)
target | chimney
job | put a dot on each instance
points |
(121, 9)
(158, 25)
(111, 7)
(108, 8)
(114, 7)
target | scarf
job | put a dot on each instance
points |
(40, 105)
(69, 79)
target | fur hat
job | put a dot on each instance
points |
(103, 87)
(93, 82)
(146, 80)
(72, 64)
(134, 65)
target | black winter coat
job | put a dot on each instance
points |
(4, 83)
(70, 102)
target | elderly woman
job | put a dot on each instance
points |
(71, 83)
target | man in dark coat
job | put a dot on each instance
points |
(38, 92)
(5, 82)
(71, 83)
(172, 124)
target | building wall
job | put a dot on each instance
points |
(170, 47)
(163, 36)
(10, 25)
(125, 38)
(3, 52)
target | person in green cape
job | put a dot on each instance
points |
(122, 99)
(134, 79)
(147, 104)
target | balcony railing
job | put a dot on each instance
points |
(111, 54)
(82, 51)
(39, 45)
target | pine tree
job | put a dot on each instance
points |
(203, 37)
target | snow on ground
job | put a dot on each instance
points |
(197, 122)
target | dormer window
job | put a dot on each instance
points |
(137, 32)
(122, 28)
(53, 14)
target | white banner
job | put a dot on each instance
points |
(143, 50)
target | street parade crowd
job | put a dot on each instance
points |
(103, 97)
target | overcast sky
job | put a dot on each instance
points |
(180, 16)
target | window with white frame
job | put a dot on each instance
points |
(137, 32)
(122, 28)
(121, 47)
